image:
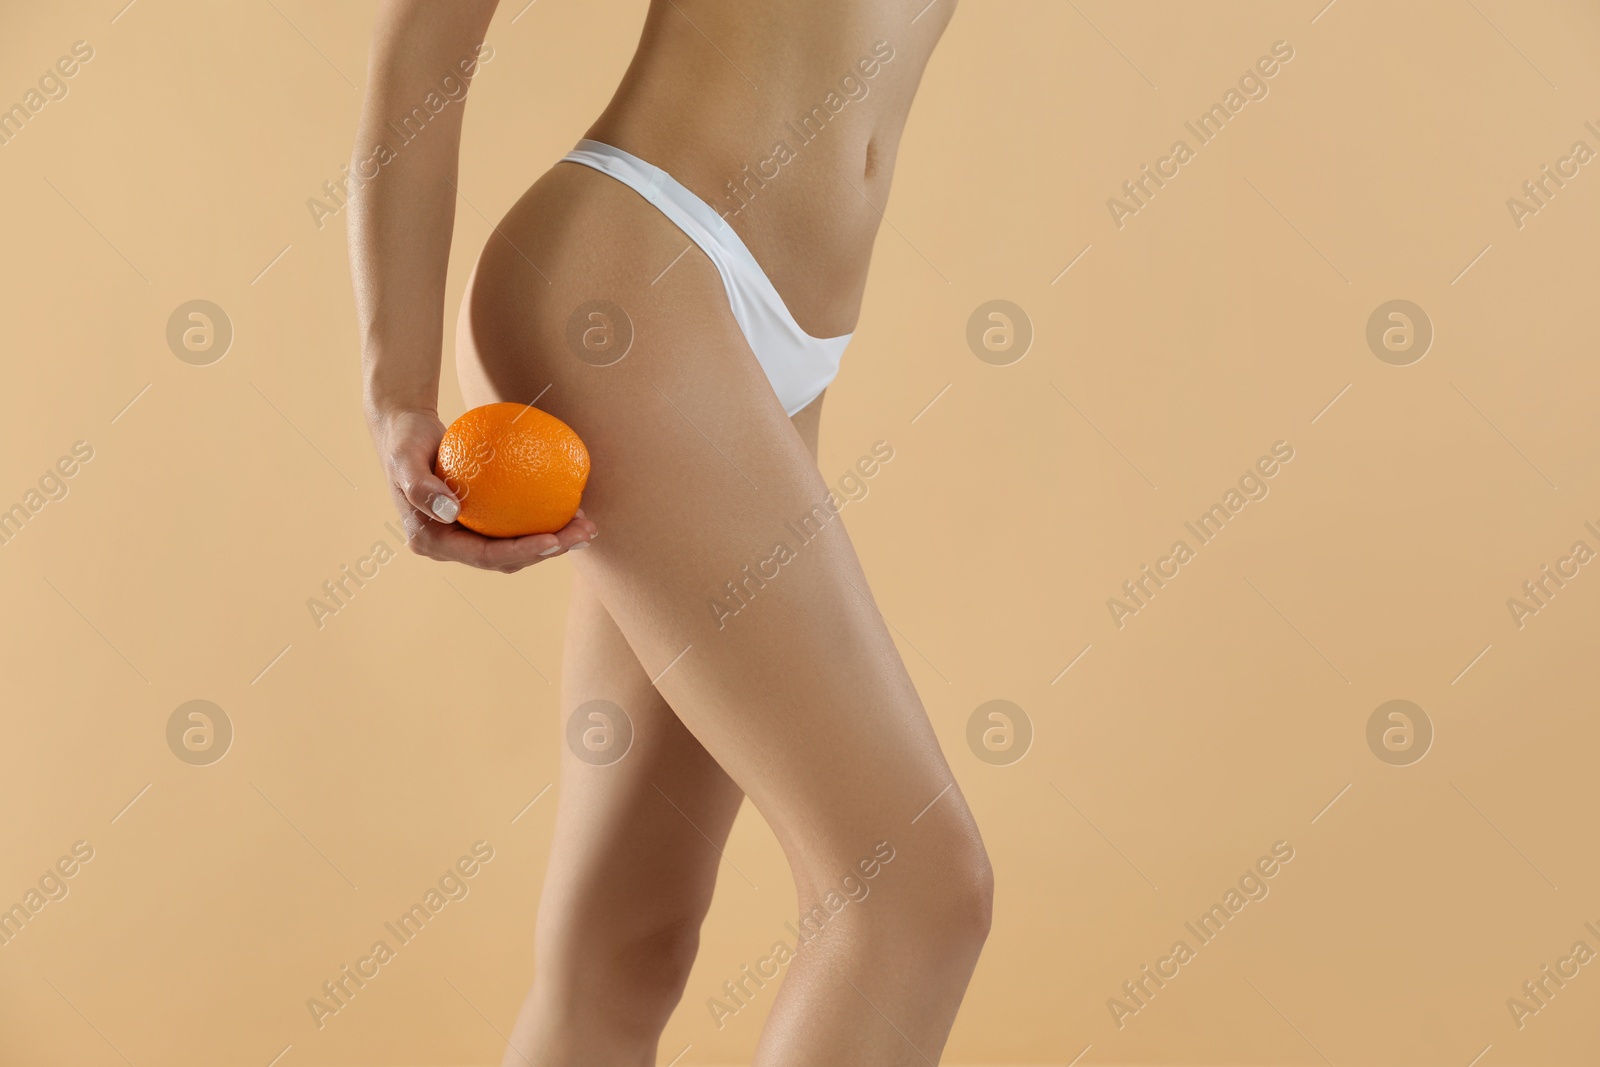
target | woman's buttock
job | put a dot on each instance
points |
(606, 263)
(775, 127)
(577, 249)
(586, 299)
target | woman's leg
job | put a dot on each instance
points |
(634, 861)
(739, 591)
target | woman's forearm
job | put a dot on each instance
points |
(402, 199)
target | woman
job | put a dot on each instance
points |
(746, 154)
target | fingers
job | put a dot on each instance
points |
(456, 543)
(574, 535)
(424, 490)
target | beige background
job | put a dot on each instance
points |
(1229, 714)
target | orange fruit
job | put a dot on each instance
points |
(516, 470)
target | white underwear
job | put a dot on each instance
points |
(798, 365)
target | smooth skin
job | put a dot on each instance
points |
(799, 698)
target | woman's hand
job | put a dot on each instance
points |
(408, 442)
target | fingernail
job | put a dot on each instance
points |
(580, 544)
(444, 508)
(594, 535)
(552, 550)
(580, 513)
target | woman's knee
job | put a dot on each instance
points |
(929, 892)
(665, 954)
(964, 904)
(977, 893)
(640, 969)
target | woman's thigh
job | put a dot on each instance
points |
(719, 557)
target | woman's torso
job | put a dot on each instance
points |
(785, 116)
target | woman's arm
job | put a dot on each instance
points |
(402, 211)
